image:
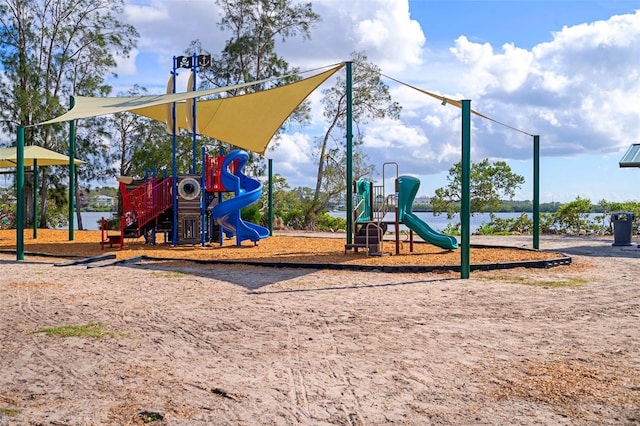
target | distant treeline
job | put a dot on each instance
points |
(515, 206)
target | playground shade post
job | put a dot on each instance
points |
(349, 84)
(536, 192)
(20, 194)
(465, 206)
(72, 170)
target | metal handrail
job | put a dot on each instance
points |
(146, 202)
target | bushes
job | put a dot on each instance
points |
(328, 223)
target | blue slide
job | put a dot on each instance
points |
(247, 191)
(407, 189)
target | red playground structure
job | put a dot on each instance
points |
(197, 212)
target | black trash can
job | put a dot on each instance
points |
(622, 228)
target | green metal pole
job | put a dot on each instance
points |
(72, 170)
(465, 207)
(536, 192)
(35, 198)
(20, 194)
(270, 196)
(349, 117)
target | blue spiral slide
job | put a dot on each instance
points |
(247, 191)
(407, 189)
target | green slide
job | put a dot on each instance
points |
(407, 190)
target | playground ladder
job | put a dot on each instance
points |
(143, 204)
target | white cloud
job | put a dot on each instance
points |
(140, 13)
(167, 27)
(577, 90)
(382, 28)
(391, 30)
(393, 134)
(127, 66)
(574, 90)
(506, 71)
(292, 157)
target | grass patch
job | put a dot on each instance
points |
(93, 331)
(9, 412)
(565, 283)
(170, 274)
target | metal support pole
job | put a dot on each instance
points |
(174, 166)
(349, 119)
(536, 192)
(193, 111)
(20, 193)
(203, 200)
(270, 196)
(465, 206)
(35, 198)
(72, 170)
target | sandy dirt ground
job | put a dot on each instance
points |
(188, 344)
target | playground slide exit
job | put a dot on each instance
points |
(407, 189)
(247, 191)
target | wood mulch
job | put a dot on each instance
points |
(278, 249)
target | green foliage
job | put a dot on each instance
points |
(573, 216)
(293, 218)
(7, 211)
(490, 182)
(112, 224)
(452, 229)
(328, 223)
(499, 226)
(251, 214)
(57, 216)
(51, 50)
(627, 206)
(547, 223)
(253, 28)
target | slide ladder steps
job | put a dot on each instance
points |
(368, 236)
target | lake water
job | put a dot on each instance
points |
(90, 220)
(440, 222)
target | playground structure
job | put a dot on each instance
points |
(227, 120)
(374, 211)
(203, 213)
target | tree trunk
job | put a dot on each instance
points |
(76, 197)
(43, 194)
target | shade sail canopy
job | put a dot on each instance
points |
(32, 154)
(246, 121)
(632, 157)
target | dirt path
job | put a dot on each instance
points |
(249, 345)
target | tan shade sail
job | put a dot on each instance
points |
(43, 156)
(247, 121)
(86, 107)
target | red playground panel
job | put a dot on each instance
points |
(213, 173)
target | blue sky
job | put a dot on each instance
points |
(566, 70)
